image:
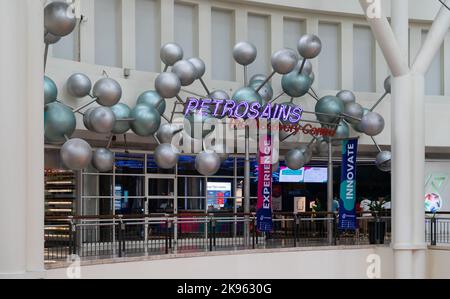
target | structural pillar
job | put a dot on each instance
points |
(22, 135)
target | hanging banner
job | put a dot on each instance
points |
(347, 201)
(264, 207)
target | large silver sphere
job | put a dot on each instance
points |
(295, 159)
(76, 154)
(168, 85)
(205, 124)
(167, 132)
(221, 150)
(244, 53)
(372, 124)
(152, 98)
(166, 156)
(307, 67)
(320, 146)
(59, 122)
(284, 61)
(333, 107)
(358, 125)
(309, 46)
(199, 66)
(103, 160)
(207, 163)
(247, 94)
(107, 91)
(383, 161)
(102, 120)
(387, 85)
(307, 152)
(354, 111)
(346, 96)
(121, 111)
(171, 53)
(87, 118)
(258, 77)
(50, 90)
(79, 85)
(186, 72)
(219, 95)
(51, 39)
(59, 18)
(296, 85)
(147, 120)
(266, 92)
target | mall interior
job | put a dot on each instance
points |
(105, 184)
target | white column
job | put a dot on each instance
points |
(21, 129)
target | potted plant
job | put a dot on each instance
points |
(377, 227)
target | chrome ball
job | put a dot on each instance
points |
(266, 92)
(166, 156)
(79, 85)
(102, 120)
(121, 111)
(244, 53)
(320, 146)
(347, 97)
(171, 53)
(342, 132)
(87, 118)
(167, 132)
(246, 94)
(257, 77)
(186, 72)
(357, 126)
(168, 85)
(207, 163)
(153, 99)
(296, 85)
(354, 111)
(295, 159)
(332, 107)
(307, 152)
(107, 91)
(199, 67)
(103, 160)
(372, 124)
(76, 154)
(59, 18)
(50, 91)
(59, 122)
(383, 161)
(284, 61)
(147, 120)
(387, 84)
(51, 39)
(309, 46)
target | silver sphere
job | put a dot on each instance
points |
(244, 53)
(152, 98)
(307, 152)
(167, 132)
(354, 111)
(107, 91)
(257, 77)
(76, 154)
(320, 146)
(121, 111)
(219, 95)
(50, 90)
(102, 120)
(247, 94)
(309, 46)
(166, 156)
(346, 96)
(358, 126)
(284, 61)
(198, 126)
(333, 107)
(103, 160)
(79, 85)
(296, 85)
(168, 85)
(59, 18)
(295, 159)
(383, 161)
(87, 118)
(372, 124)
(186, 72)
(51, 39)
(220, 149)
(147, 120)
(171, 53)
(387, 84)
(312, 76)
(342, 132)
(266, 92)
(199, 67)
(207, 163)
(59, 122)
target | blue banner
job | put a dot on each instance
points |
(264, 219)
(347, 201)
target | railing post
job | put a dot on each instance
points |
(121, 236)
(210, 233)
(335, 227)
(167, 235)
(72, 237)
(434, 230)
(254, 237)
(296, 222)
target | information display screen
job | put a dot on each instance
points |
(218, 193)
(304, 175)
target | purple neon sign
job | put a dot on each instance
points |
(221, 108)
